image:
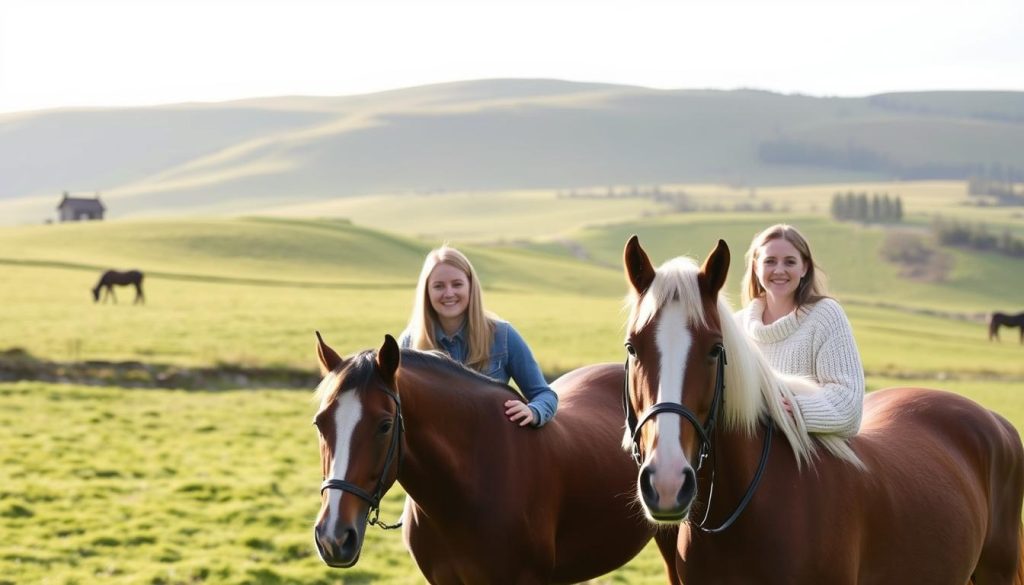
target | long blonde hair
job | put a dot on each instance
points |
(813, 286)
(479, 327)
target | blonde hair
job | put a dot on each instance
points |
(479, 327)
(813, 286)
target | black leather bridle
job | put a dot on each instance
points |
(395, 447)
(705, 434)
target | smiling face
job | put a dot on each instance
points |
(779, 268)
(449, 291)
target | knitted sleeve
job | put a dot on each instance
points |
(838, 406)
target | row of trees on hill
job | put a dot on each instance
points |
(855, 157)
(879, 208)
(994, 179)
(999, 181)
(977, 236)
(677, 199)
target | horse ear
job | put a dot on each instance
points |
(388, 358)
(329, 359)
(639, 271)
(715, 269)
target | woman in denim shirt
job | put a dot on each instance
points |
(448, 315)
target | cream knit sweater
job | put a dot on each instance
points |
(816, 342)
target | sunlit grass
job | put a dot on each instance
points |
(164, 486)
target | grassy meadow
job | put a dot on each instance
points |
(166, 486)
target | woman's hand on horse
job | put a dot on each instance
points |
(518, 412)
(787, 405)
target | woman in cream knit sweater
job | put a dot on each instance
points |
(802, 331)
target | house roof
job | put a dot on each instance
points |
(82, 204)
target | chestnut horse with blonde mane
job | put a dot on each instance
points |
(930, 490)
(488, 501)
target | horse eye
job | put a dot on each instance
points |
(630, 349)
(716, 350)
(385, 426)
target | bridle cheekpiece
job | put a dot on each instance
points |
(394, 456)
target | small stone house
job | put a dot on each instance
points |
(78, 208)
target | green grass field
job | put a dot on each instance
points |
(163, 486)
(105, 484)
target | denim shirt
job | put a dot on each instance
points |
(510, 358)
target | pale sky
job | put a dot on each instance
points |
(61, 53)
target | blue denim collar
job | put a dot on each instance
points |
(440, 335)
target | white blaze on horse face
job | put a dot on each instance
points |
(346, 417)
(668, 460)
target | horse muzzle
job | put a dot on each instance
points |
(339, 543)
(667, 499)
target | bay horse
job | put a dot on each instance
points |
(1003, 320)
(110, 278)
(930, 491)
(487, 501)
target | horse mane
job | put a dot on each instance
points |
(754, 389)
(358, 370)
(413, 357)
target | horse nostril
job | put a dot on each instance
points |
(689, 487)
(647, 484)
(349, 546)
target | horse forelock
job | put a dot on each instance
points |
(356, 373)
(675, 280)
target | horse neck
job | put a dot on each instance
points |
(734, 465)
(452, 422)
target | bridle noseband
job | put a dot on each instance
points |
(373, 515)
(705, 434)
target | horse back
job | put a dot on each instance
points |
(592, 391)
(957, 423)
(937, 459)
(944, 476)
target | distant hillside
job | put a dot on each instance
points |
(489, 135)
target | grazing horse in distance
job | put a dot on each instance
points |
(111, 278)
(929, 491)
(1003, 320)
(487, 501)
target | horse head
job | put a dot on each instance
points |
(674, 371)
(360, 426)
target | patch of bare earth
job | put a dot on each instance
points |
(917, 256)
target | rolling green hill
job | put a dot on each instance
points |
(488, 135)
(251, 291)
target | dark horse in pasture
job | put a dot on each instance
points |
(928, 492)
(1003, 320)
(488, 501)
(111, 278)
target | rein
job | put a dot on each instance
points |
(705, 432)
(373, 515)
